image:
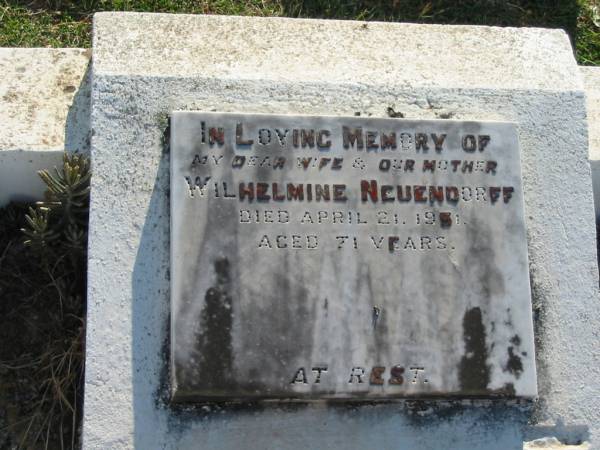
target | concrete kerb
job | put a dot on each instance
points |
(45, 108)
(268, 65)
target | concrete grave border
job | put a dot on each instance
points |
(147, 65)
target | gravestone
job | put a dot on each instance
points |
(342, 257)
(160, 283)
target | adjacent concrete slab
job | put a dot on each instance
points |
(44, 107)
(382, 258)
(251, 65)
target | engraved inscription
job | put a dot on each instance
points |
(356, 252)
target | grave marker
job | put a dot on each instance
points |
(146, 66)
(347, 258)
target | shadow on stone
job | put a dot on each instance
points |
(77, 128)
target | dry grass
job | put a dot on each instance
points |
(42, 306)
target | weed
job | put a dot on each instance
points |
(42, 304)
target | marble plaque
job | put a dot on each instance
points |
(347, 258)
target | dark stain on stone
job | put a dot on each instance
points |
(474, 372)
(508, 322)
(445, 115)
(166, 137)
(484, 275)
(393, 113)
(69, 89)
(162, 395)
(514, 364)
(10, 96)
(215, 344)
(508, 390)
(540, 294)
(515, 340)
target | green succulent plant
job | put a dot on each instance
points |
(61, 219)
(42, 306)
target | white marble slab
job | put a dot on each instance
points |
(402, 272)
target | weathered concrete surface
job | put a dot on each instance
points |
(44, 107)
(148, 65)
(551, 443)
(591, 78)
(364, 53)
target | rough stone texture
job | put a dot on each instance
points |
(357, 48)
(551, 443)
(591, 78)
(406, 305)
(244, 64)
(44, 107)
